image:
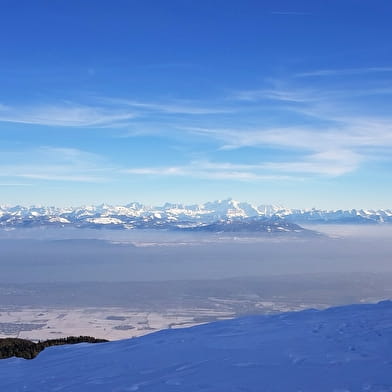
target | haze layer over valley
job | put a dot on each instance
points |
(114, 284)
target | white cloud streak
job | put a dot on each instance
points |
(54, 164)
(353, 134)
(208, 172)
(271, 94)
(110, 112)
(343, 72)
(324, 164)
(14, 184)
(169, 107)
(335, 142)
(67, 115)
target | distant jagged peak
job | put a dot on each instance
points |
(136, 214)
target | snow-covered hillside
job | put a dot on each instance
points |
(136, 215)
(344, 349)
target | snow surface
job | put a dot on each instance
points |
(345, 349)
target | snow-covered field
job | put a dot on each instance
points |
(345, 349)
(110, 323)
(114, 323)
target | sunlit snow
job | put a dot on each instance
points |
(340, 349)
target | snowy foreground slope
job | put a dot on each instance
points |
(339, 350)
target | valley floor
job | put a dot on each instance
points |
(111, 323)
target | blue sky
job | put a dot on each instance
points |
(187, 101)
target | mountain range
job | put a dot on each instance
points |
(220, 215)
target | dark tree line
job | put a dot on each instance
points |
(15, 347)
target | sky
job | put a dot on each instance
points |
(270, 102)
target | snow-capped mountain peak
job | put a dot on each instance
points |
(135, 215)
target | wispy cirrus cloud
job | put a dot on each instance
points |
(338, 109)
(64, 115)
(102, 112)
(332, 163)
(332, 133)
(350, 133)
(328, 136)
(54, 164)
(171, 106)
(344, 71)
(275, 94)
(13, 184)
(203, 170)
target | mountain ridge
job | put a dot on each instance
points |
(136, 215)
